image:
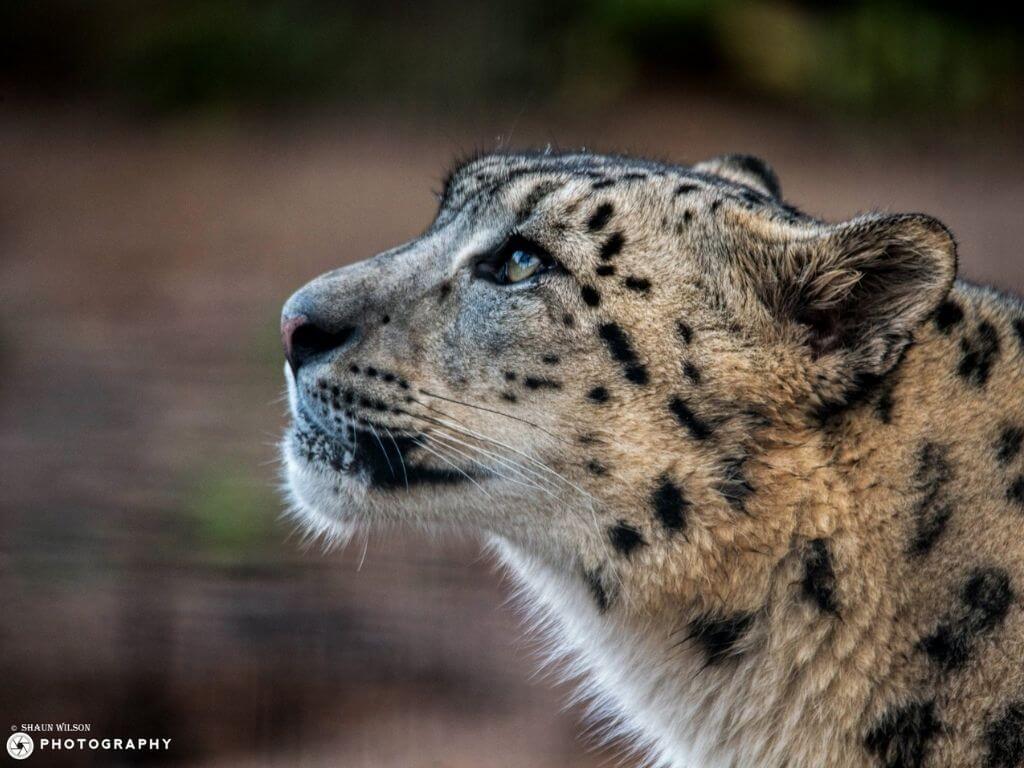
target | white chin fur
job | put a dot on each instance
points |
(320, 510)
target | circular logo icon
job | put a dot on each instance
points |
(20, 745)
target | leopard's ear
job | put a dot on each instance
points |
(744, 169)
(860, 289)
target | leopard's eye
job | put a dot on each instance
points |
(516, 261)
(521, 265)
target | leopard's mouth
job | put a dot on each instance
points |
(355, 448)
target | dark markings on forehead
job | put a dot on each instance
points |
(734, 486)
(1004, 737)
(986, 597)
(638, 284)
(903, 736)
(603, 184)
(621, 348)
(719, 635)
(590, 295)
(691, 371)
(605, 270)
(979, 354)
(540, 382)
(670, 505)
(568, 320)
(934, 507)
(598, 394)
(696, 426)
(625, 538)
(1015, 492)
(948, 314)
(1008, 444)
(685, 189)
(612, 246)
(685, 332)
(601, 216)
(716, 205)
(633, 176)
(535, 195)
(819, 580)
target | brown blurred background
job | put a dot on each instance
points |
(171, 171)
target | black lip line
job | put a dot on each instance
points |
(383, 462)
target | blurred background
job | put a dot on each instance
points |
(171, 171)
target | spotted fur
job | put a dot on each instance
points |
(761, 475)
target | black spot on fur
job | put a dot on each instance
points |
(819, 581)
(444, 290)
(718, 636)
(692, 372)
(857, 391)
(697, 427)
(568, 320)
(621, 349)
(638, 284)
(625, 538)
(510, 375)
(598, 394)
(605, 270)
(550, 359)
(538, 193)
(540, 382)
(509, 397)
(612, 246)
(1015, 492)
(1004, 738)
(602, 214)
(633, 176)
(685, 189)
(933, 510)
(669, 504)
(603, 184)
(885, 403)
(716, 205)
(979, 354)
(986, 597)
(1008, 445)
(595, 467)
(902, 737)
(734, 486)
(948, 314)
(596, 586)
(687, 216)
(1018, 327)
(685, 332)
(590, 295)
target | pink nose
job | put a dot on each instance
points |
(289, 325)
(305, 340)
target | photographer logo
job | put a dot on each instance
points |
(20, 745)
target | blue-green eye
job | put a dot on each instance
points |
(515, 261)
(521, 265)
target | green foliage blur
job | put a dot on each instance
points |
(163, 56)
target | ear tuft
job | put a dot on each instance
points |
(865, 287)
(744, 169)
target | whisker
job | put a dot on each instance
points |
(492, 410)
(454, 466)
(401, 458)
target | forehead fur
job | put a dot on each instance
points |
(737, 179)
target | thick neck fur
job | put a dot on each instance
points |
(801, 625)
